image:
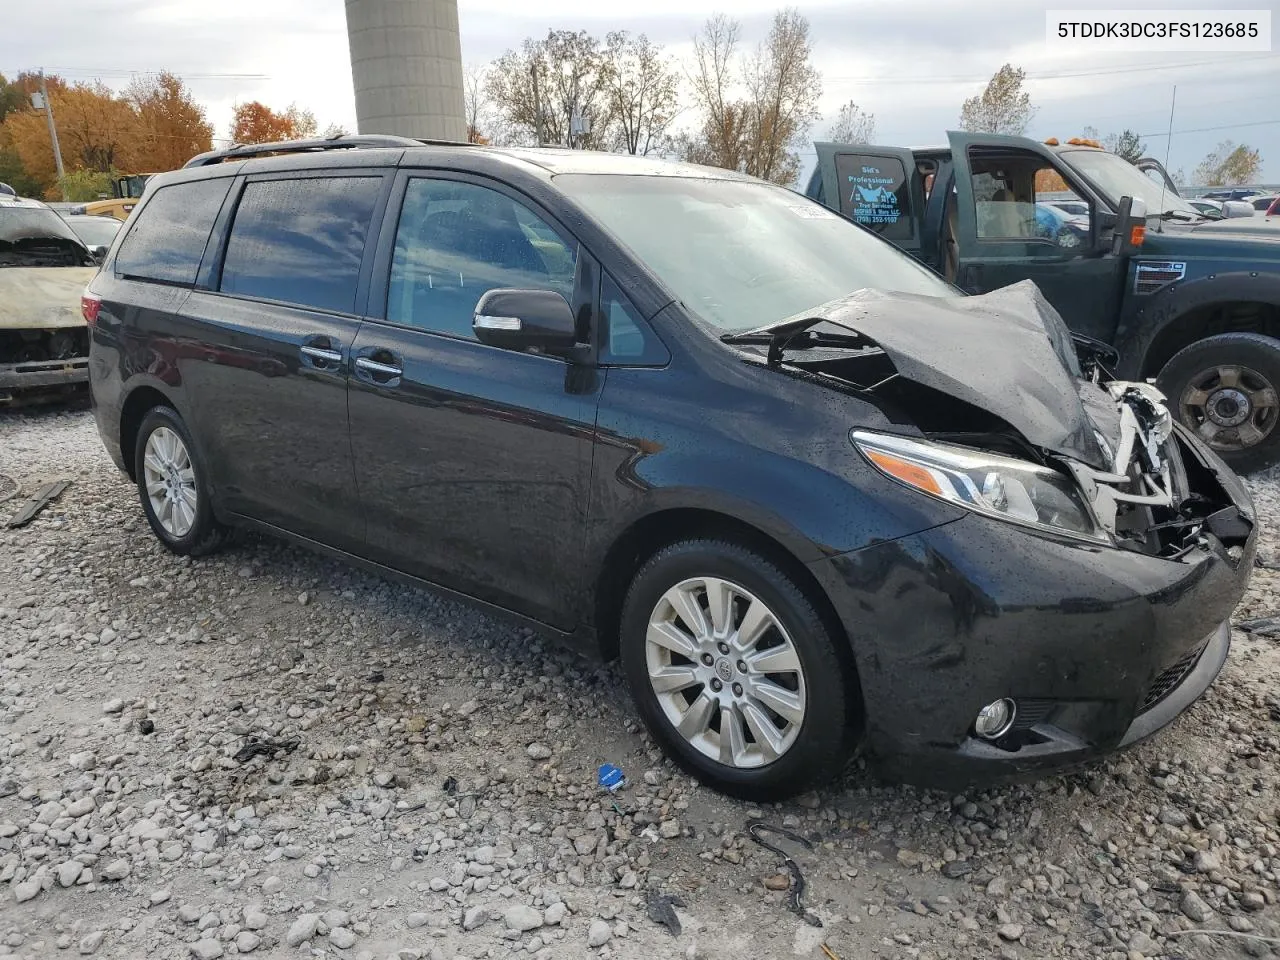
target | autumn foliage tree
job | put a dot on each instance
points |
(156, 125)
(255, 122)
(171, 126)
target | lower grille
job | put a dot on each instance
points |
(1167, 682)
(1031, 711)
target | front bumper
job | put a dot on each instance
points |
(1099, 647)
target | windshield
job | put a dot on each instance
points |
(744, 254)
(95, 231)
(38, 237)
(1118, 178)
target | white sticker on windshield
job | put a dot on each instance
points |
(810, 211)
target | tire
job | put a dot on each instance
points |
(1200, 386)
(766, 766)
(188, 528)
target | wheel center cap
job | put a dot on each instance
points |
(1229, 407)
(724, 670)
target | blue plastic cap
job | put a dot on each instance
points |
(610, 777)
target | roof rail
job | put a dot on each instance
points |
(239, 151)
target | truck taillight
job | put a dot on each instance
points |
(89, 306)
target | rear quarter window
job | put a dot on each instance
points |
(166, 240)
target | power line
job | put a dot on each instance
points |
(1051, 75)
(1226, 126)
(120, 73)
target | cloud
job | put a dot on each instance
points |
(909, 62)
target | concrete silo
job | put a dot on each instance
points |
(406, 64)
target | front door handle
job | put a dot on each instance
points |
(322, 355)
(378, 372)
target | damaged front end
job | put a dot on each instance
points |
(1160, 495)
(1015, 426)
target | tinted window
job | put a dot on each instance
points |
(875, 192)
(455, 241)
(166, 240)
(301, 241)
(627, 338)
(38, 237)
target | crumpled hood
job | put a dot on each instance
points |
(1007, 352)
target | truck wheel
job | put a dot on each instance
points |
(1224, 389)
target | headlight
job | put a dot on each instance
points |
(1002, 487)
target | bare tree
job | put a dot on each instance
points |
(852, 125)
(335, 130)
(754, 125)
(476, 105)
(719, 140)
(783, 88)
(1002, 107)
(548, 83)
(643, 91)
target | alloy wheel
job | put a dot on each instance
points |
(1230, 406)
(170, 481)
(725, 673)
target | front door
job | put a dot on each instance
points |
(268, 350)
(1009, 227)
(473, 462)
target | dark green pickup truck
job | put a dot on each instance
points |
(1194, 304)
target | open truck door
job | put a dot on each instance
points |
(880, 188)
(1007, 227)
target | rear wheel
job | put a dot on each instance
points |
(1224, 389)
(734, 671)
(171, 484)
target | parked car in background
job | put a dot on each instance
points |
(1066, 230)
(1274, 209)
(1238, 193)
(1074, 208)
(1188, 300)
(43, 268)
(95, 232)
(810, 495)
(1263, 204)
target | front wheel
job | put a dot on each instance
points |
(734, 672)
(1224, 389)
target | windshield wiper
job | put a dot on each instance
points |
(794, 335)
(1181, 215)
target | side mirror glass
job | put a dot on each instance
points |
(526, 320)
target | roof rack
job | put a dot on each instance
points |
(239, 151)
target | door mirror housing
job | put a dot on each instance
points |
(1130, 227)
(539, 320)
(1237, 208)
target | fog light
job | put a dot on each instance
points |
(995, 719)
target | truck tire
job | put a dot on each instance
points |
(1224, 389)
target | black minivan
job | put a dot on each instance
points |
(812, 496)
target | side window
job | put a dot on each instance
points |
(1023, 197)
(455, 241)
(875, 191)
(301, 241)
(166, 241)
(627, 339)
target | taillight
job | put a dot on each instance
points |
(89, 306)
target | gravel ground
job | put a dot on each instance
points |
(427, 787)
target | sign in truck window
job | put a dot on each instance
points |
(874, 192)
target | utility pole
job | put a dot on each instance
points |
(537, 101)
(53, 132)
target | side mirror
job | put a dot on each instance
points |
(526, 320)
(1237, 208)
(99, 253)
(1130, 227)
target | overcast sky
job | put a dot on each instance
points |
(910, 63)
